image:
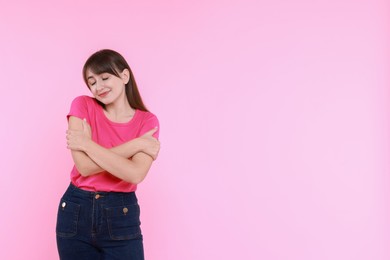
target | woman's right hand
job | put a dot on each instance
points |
(149, 144)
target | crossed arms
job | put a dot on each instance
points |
(129, 161)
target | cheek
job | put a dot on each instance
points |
(92, 89)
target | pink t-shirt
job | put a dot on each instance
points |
(108, 134)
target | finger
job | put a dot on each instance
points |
(74, 132)
(155, 156)
(84, 123)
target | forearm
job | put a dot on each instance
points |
(121, 167)
(89, 167)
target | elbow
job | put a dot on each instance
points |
(137, 177)
(138, 168)
(139, 180)
(136, 180)
(84, 174)
(82, 170)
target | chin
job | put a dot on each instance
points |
(105, 101)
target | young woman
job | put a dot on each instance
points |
(113, 142)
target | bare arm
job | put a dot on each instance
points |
(86, 166)
(131, 170)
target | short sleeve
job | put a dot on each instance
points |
(79, 108)
(150, 123)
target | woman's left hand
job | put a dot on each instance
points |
(79, 139)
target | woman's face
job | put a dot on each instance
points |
(107, 87)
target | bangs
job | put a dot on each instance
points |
(101, 66)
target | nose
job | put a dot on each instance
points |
(99, 85)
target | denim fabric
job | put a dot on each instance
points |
(98, 226)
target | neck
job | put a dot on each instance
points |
(120, 108)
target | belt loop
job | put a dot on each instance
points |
(72, 188)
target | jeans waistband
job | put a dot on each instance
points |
(72, 189)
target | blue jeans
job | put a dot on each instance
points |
(99, 225)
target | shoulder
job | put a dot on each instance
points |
(84, 100)
(146, 116)
(148, 121)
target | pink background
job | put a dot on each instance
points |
(274, 123)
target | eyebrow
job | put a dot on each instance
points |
(90, 77)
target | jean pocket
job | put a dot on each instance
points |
(67, 218)
(123, 222)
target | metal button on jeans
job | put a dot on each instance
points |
(97, 196)
(125, 210)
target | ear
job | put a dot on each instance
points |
(125, 76)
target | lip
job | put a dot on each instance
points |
(103, 94)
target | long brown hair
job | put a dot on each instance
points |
(109, 61)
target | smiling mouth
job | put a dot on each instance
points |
(103, 94)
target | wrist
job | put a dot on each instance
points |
(138, 144)
(88, 145)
